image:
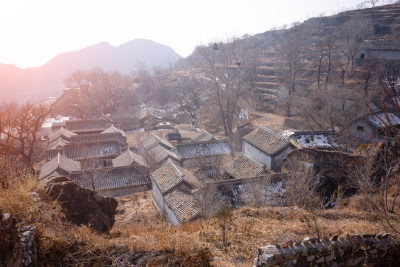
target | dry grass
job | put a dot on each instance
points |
(63, 244)
(141, 234)
(251, 228)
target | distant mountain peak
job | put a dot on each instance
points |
(48, 80)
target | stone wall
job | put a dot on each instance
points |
(17, 245)
(118, 192)
(28, 244)
(349, 250)
(333, 166)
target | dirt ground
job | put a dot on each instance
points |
(138, 222)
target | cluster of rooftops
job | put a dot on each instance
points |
(97, 156)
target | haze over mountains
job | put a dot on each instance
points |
(37, 83)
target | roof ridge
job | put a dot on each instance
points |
(252, 160)
(180, 174)
(272, 132)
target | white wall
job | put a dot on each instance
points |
(161, 206)
(256, 154)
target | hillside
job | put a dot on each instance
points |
(379, 28)
(38, 83)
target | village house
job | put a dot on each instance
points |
(110, 134)
(127, 174)
(371, 129)
(243, 167)
(143, 115)
(86, 126)
(202, 136)
(115, 181)
(51, 124)
(127, 123)
(156, 150)
(105, 145)
(314, 139)
(266, 147)
(202, 154)
(99, 151)
(173, 193)
(61, 133)
(378, 53)
(59, 165)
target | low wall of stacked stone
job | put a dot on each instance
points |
(28, 245)
(349, 250)
(17, 244)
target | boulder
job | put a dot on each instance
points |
(81, 205)
(10, 247)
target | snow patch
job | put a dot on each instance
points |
(393, 118)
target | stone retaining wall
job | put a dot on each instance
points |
(350, 250)
(17, 244)
(28, 244)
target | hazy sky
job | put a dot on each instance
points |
(34, 31)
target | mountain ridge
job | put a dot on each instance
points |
(37, 83)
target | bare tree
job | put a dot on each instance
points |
(378, 173)
(290, 45)
(321, 56)
(94, 169)
(21, 127)
(225, 68)
(189, 96)
(225, 217)
(302, 185)
(334, 109)
(373, 2)
(329, 45)
(103, 92)
(207, 200)
(353, 35)
(374, 176)
(260, 191)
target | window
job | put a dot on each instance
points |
(360, 128)
(362, 55)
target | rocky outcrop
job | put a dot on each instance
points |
(10, 247)
(81, 205)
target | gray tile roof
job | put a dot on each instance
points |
(62, 132)
(202, 149)
(59, 162)
(128, 158)
(267, 140)
(182, 205)
(244, 167)
(97, 137)
(142, 114)
(113, 129)
(153, 140)
(169, 176)
(160, 153)
(114, 178)
(202, 136)
(57, 143)
(92, 149)
(86, 125)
